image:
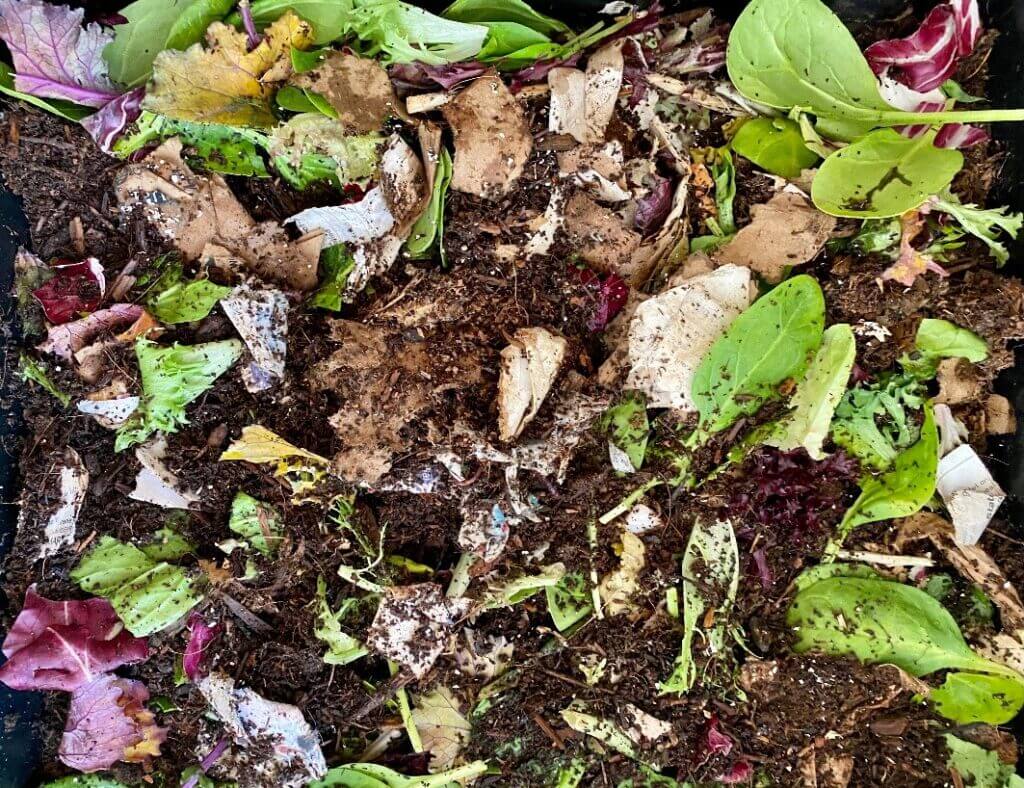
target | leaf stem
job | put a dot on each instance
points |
(897, 118)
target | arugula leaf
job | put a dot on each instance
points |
(883, 622)
(797, 53)
(874, 423)
(153, 26)
(979, 767)
(776, 145)
(30, 369)
(883, 174)
(938, 339)
(902, 490)
(148, 595)
(818, 394)
(59, 107)
(172, 377)
(978, 697)
(338, 263)
(711, 560)
(766, 345)
(430, 226)
(627, 426)
(342, 648)
(568, 600)
(481, 11)
(257, 522)
(983, 223)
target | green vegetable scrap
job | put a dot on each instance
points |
(172, 377)
(257, 522)
(428, 231)
(569, 600)
(342, 648)
(30, 369)
(884, 622)
(938, 339)
(983, 223)
(372, 775)
(874, 423)
(148, 595)
(173, 300)
(979, 767)
(627, 426)
(775, 145)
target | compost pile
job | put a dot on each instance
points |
(425, 400)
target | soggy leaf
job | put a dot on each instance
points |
(185, 302)
(257, 522)
(818, 394)
(172, 377)
(978, 697)
(514, 591)
(711, 560)
(766, 345)
(223, 84)
(167, 545)
(983, 223)
(311, 148)
(569, 600)
(776, 145)
(30, 369)
(902, 490)
(603, 730)
(258, 445)
(983, 768)
(342, 648)
(148, 595)
(442, 728)
(627, 426)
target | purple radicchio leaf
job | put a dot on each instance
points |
(652, 209)
(54, 56)
(951, 135)
(539, 71)
(108, 722)
(701, 56)
(928, 57)
(408, 77)
(201, 635)
(114, 117)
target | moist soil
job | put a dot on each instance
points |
(802, 714)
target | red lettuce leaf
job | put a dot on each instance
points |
(928, 57)
(538, 71)
(960, 135)
(54, 56)
(74, 288)
(110, 122)
(952, 135)
(422, 76)
(109, 722)
(611, 292)
(63, 645)
(201, 635)
(652, 209)
(739, 772)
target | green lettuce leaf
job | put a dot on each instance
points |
(148, 595)
(938, 339)
(337, 263)
(342, 648)
(185, 302)
(429, 228)
(481, 11)
(257, 522)
(979, 767)
(312, 148)
(569, 600)
(627, 426)
(875, 423)
(172, 377)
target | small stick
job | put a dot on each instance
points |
(548, 730)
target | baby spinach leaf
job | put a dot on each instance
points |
(148, 595)
(883, 174)
(818, 394)
(797, 53)
(902, 490)
(711, 561)
(767, 344)
(966, 698)
(483, 11)
(775, 145)
(627, 426)
(883, 622)
(938, 339)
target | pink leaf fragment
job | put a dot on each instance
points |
(717, 743)
(109, 722)
(74, 288)
(928, 57)
(739, 772)
(54, 56)
(56, 645)
(201, 635)
(114, 117)
(538, 72)
(911, 263)
(960, 135)
(66, 340)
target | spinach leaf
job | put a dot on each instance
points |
(766, 345)
(797, 53)
(883, 622)
(483, 11)
(818, 394)
(153, 26)
(627, 426)
(775, 145)
(938, 339)
(902, 490)
(978, 697)
(711, 560)
(883, 174)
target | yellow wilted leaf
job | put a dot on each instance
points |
(259, 445)
(226, 83)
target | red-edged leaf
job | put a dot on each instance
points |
(66, 340)
(652, 209)
(109, 722)
(57, 645)
(611, 292)
(201, 635)
(960, 135)
(110, 122)
(73, 289)
(539, 71)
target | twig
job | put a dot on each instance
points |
(382, 695)
(548, 730)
